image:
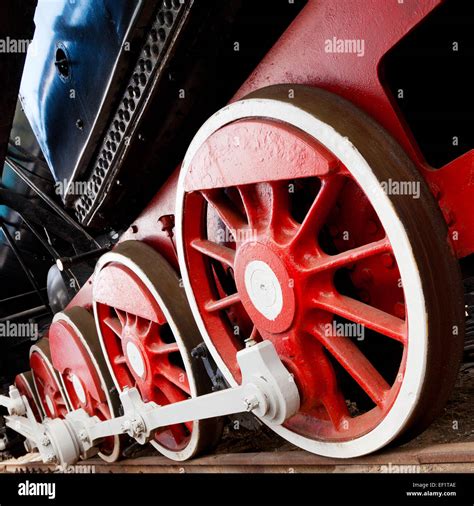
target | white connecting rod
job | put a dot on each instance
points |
(267, 389)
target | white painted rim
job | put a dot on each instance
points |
(110, 257)
(37, 349)
(396, 419)
(61, 316)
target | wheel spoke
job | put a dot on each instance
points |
(223, 303)
(368, 316)
(114, 324)
(122, 316)
(319, 210)
(351, 256)
(356, 364)
(227, 212)
(120, 359)
(335, 406)
(266, 205)
(216, 251)
(257, 206)
(163, 349)
(176, 376)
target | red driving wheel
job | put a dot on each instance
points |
(47, 384)
(147, 334)
(287, 232)
(77, 356)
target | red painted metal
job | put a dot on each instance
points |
(300, 57)
(47, 383)
(248, 185)
(27, 389)
(129, 315)
(70, 358)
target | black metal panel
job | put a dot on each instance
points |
(65, 87)
(16, 27)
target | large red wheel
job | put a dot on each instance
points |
(292, 227)
(26, 386)
(48, 386)
(77, 356)
(147, 334)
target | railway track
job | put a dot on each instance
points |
(448, 457)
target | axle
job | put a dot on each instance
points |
(267, 389)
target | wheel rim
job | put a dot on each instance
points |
(270, 268)
(76, 355)
(47, 385)
(25, 384)
(143, 342)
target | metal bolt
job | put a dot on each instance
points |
(51, 459)
(250, 341)
(45, 441)
(251, 403)
(83, 436)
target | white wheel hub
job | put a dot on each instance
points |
(264, 289)
(135, 359)
(78, 388)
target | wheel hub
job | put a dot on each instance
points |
(263, 289)
(78, 388)
(265, 286)
(135, 359)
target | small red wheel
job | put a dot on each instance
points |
(287, 230)
(48, 387)
(77, 356)
(147, 333)
(26, 386)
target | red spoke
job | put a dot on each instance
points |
(122, 316)
(114, 324)
(215, 251)
(366, 315)
(256, 206)
(356, 364)
(350, 256)
(335, 406)
(226, 210)
(320, 209)
(176, 376)
(223, 303)
(255, 334)
(163, 349)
